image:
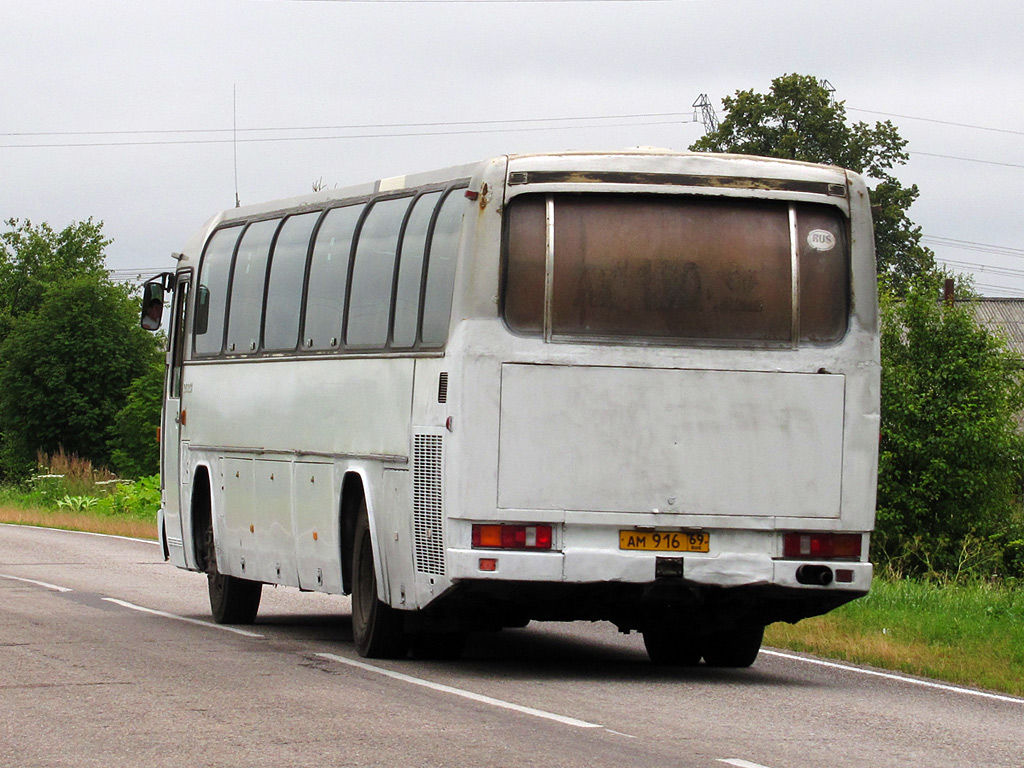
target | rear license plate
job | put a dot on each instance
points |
(665, 541)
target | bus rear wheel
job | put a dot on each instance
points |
(377, 629)
(438, 646)
(234, 600)
(668, 647)
(736, 648)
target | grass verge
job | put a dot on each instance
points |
(969, 634)
(87, 520)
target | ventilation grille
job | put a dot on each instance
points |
(442, 388)
(428, 514)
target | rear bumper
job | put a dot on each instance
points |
(579, 566)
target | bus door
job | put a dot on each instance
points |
(173, 471)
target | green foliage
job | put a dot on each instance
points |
(798, 120)
(135, 451)
(77, 503)
(32, 258)
(66, 369)
(950, 451)
(140, 499)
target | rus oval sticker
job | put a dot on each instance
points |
(821, 240)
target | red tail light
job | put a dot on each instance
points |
(503, 536)
(822, 546)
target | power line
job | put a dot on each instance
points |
(436, 2)
(970, 245)
(1015, 292)
(360, 126)
(967, 159)
(974, 266)
(940, 122)
(406, 134)
(368, 126)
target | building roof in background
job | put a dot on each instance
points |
(1005, 316)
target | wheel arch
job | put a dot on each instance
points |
(201, 515)
(354, 491)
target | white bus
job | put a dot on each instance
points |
(639, 387)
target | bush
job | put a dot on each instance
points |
(65, 371)
(139, 499)
(135, 450)
(950, 453)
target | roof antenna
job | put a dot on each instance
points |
(234, 136)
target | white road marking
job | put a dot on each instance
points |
(460, 692)
(741, 763)
(497, 702)
(46, 584)
(209, 624)
(899, 678)
(83, 533)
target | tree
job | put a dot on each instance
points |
(32, 258)
(66, 369)
(799, 120)
(950, 450)
(135, 451)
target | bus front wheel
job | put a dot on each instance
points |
(234, 600)
(377, 629)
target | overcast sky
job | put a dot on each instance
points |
(123, 111)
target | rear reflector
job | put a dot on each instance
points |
(498, 536)
(822, 546)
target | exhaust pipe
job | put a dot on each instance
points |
(818, 575)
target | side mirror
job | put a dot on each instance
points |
(202, 318)
(152, 305)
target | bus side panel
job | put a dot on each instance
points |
(238, 552)
(350, 407)
(315, 524)
(272, 520)
(427, 501)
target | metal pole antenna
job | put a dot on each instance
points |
(234, 137)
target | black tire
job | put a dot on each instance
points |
(377, 629)
(668, 647)
(438, 646)
(233, 600)
(736, 648)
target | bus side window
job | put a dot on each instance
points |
(410, 271)
(328, 277)
(444, 246)
(212, 292)
(284, 288)
(247, 280)
(373, 270)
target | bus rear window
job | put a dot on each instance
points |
(676, 268)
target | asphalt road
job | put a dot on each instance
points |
(108, 658)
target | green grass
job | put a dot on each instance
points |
(128, 509)
(86, 520)
(969, 633)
